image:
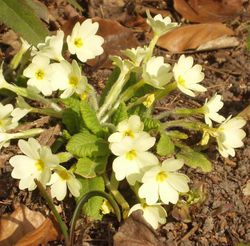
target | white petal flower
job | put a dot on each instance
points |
(210, 109)
(84, 42)
(164, 182)
(52, 48)
(153, 214)
(39, 74)
(6, 120)
(35, 164)
(160, 25)
(136, 55)
(229, 136)
(68, 78)
(188, 76)
(127, 129)
(133, 157)
(60, 180)
(156, 72)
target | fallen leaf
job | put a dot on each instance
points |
(246, 190)
(181, 213)
(24, 221)
(41, 236)
(12, 39)
(220, 43)
(209, 11)
(136, 232)
(245, 113)
(49, 136)
(192, 36)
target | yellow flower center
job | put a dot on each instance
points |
(78, 42)
(131, 155)
(84, 96)
(39, 165)
(129, 133)
(63, 175)
(181, 81)
(73, 81)
(40, 74)
(161, 176)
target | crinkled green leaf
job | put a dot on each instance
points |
(85, 167)
(177, 134)
(195, 159)
(93, 206)
(86, 144)
(72, 103)
(89, 118)
(165, 146)
(150, 124)
(71, 120)
(120, 114)
(21, 18)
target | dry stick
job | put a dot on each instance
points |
(190, 233)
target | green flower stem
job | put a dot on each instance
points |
(62, 225)
(21, 91)
(151, 48)
(83, 200)
(139, 101)
(25, 134)
(181, 111)
(117, 195)
(190, 125)
(47, 111)
(113, 94)
(126, 95)
(162, 93)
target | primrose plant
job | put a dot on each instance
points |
(114, 136)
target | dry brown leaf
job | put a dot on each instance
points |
(49, 136)
(245, 113)
(220, 43)
(192, 36)
(136, 232)
(41, 236)
(24, 221)
(209, 10)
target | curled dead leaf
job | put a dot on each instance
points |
(136, 232)
(21, 226)
(209, 11)
(192, 36)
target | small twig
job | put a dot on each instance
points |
(190, 233)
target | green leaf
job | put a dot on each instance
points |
(150, 124)
(75, 4)
(90, 119)
(120, 114)
(195, 159)
(72, 103)
(86, 144)
(21, 18)
(93, 206)
(177, 134)
(71, 120)
(86, 168)
(111, 80)
(165, 146)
